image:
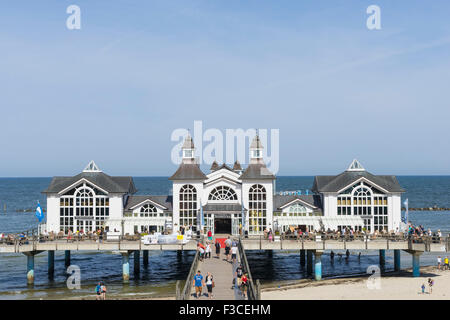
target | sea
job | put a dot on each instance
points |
(19, 196)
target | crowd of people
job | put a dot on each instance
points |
(419, 231)
(240, 278)
(99, 234)
(412, 231)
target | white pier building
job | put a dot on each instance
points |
(225, 200)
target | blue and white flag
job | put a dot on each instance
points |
(39, 212)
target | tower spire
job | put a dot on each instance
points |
(256, 148)
(188, 149)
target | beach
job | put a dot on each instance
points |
(399, 286)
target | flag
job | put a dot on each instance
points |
(406, 210)
(39, 213)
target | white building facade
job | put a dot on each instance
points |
(227, 200)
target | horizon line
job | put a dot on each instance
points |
(280, 176)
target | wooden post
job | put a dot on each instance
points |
(258, 290)
(125, 267)
(51, 263)
(30, 267)
(177, 290)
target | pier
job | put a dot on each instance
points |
(32, 247)
(310, 250)
(223, 273)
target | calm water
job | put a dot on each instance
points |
(21, 194)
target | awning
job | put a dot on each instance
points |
(151, 221)
(315, 221)
(299, 221)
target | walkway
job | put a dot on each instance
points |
(223, 273)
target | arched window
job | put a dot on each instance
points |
(362, 201)
(222, 193)
(188, 206)
(148, 210)
(297, 210)
(257, 202)
(83, 208)
(84, 202)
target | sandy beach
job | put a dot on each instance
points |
(400, 286)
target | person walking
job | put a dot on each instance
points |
(238, 275)
(244, 284)
(198, 284)
(98, 291)
(445, 267)
(209, 235)
(208, 251)
(217, 249)
(439, 262)
(103, 289)
(430, 285)
(209, 281)
(233, 254)
(227, 248)
(201, 252)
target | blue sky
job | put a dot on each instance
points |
(116, 89)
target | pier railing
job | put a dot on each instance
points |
(185, 293)
(254, 292)
(321, 241)
(354, 237)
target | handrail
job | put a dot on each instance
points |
(253, 287)
(186, 292)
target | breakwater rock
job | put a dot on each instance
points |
(434, 208)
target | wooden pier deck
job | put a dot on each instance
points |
(223, 273)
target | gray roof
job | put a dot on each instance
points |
(165, 201)
(100, 179)
(188, 171)
(281, 200)
(257, 171)
(336, 183)
(222, 207)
